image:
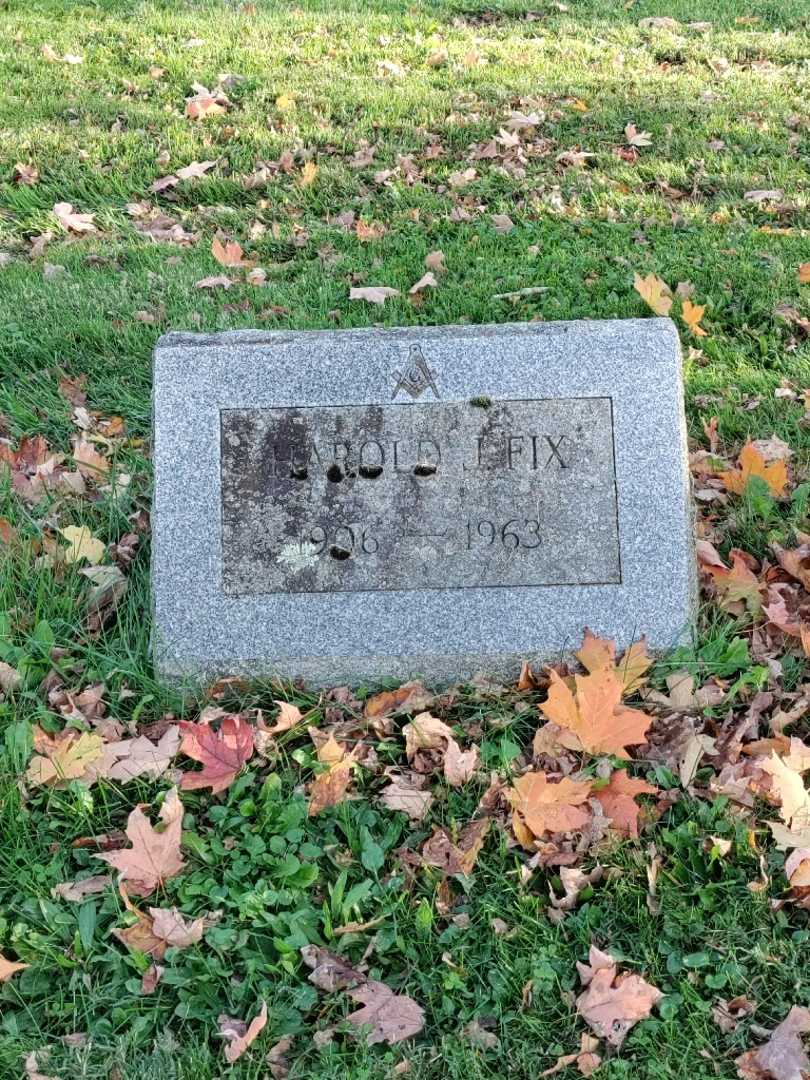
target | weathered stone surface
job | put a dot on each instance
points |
(359, 504)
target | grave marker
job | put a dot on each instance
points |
(359, 504)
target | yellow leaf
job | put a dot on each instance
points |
(284, 102)
(654, 292)
(594, 712)
(752, 463)
(83, 545)
(66, 757)
(308, 174)
(804, 273)
(691, 315)
(578, 105)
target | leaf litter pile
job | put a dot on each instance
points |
(326, 806)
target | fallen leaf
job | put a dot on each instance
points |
(586, 1060)
(434, 260)
(545, 807)
(196, 170)
(691, 315)
(599, 654)
(613, 1003)
(459, 766)
(76, 891)
(752, 463)
(151, 978)
(618, 801)
(67, 756)
(503, 224)
(405, 794)
(238, 1034)
(90, 463)
(637, 138)
(390, 1017)
(455, 856)
(408, 698)
(9, 968)
(83, 545)
(654, 292)
(373, 294)
(29, 175)
(759, 196)
(229, 254)
(803, 272)
(426, 281)
(425, 732)
(173, 928)
(72, 221)
(330, 971)
(222, 752)
(329, 788)
(154, 856)
(308, 174)
(782, 1057)
(216, 281)
(595, 714)
(728, 1014)
(142, 757)
(289, 716)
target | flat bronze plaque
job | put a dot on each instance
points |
(439, 495)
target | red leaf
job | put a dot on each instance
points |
(222, 753)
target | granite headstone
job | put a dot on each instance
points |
(354, 505)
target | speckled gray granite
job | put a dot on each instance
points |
(353, 505)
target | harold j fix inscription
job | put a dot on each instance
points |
(355, 505)
(431, 496)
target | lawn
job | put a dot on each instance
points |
(555, 148)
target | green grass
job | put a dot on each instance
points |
(94, 131)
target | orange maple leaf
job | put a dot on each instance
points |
(752, 463)
(222, 753)
(739, 585)
(618, 801)
(230, 253)
(154, 856)
(599, 654)
(594, 712)
(691, 315)
(329, 787)
(654, 292)
(543, 807)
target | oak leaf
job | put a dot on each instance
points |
(612, 1003)
(239, 1034)
(154, 856)
(545, 807)
(654, 292)
(390, 1017)
(221, 752)
(599, 654)
(618, 801)
(752, 463)
(595, 714)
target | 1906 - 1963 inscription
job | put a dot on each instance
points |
(419, 496)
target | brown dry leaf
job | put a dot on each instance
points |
(229, 254)
(427, 280)
(330, 971)
(151, 978)
(405, 794)
(654, 292)
(459, 765)
(141, 757)
(391, 1017)
(329, 787)
(752, 463)
(573, 881)
(203, 105)
(177, 931)
(89, 461)
(73, 221)
(196, 170)
(691, 315)
(739, 588)
(544, 807)
(76, 891)
(503, 224)
(221, 752)
(154, 856)
(586, 1060)
(796, 561)
(308, 174)
(637, 138)
(27, 175)
(728, 1014)
(599, 654)
(788, 787)
(803, 271)
(618, 801)
(289, 716)
(372, 294)
(613, 1003)
(434, 260)
(595, 714)
(455, 856)
(67, 756)
(408, 698)
(782, 1057)
(239, 1034)
(9, 968)
(425, 732)
(216, 281)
